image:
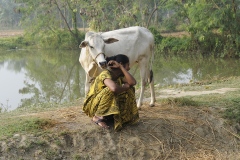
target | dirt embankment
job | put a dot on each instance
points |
(164, 132)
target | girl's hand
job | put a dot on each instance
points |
(114, 64)
(126, 85)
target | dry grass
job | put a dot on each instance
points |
(10, 33)
(175, 34)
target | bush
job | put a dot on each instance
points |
(57, 39)
(173, 45)
(157, 36)
(233, 110)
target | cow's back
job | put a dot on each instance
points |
(135, 42)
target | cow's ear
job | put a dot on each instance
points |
(110, 40)
(83, 44)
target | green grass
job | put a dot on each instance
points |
(7, 43)
(17, 125)
(182, 101)
(19, 122)
(229, 103)
(13, 42)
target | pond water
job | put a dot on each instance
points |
(32, 77)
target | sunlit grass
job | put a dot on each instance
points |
(7, 43)
(11, 125)
(229, 103)
(182, 101)
(15, 42)
(20, 121)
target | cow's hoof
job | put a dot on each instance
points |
(151, 105)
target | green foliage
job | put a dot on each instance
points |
(157, 36)
(213, 26)
(14, 43)
(233, 114)
(109, 15)
(182, 101)
(58, 39)
(216, 32)
(47, 23)
(169, 25)
(173, 45)
(9, 14)
(7, 43)
(233, 111)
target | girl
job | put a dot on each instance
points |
(112, 95)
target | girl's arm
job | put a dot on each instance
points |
(128, 78)
(115, 87)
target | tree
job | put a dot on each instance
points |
(214, 25)
(48, 20)
(9, 14)
(107, 15)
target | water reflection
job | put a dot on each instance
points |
(10, 81)
(175, 69)
(28, 78)
(46, 76)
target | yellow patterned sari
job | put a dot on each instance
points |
(100, 101)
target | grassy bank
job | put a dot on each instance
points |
(24, 120)
(229, 102)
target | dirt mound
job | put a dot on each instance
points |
(164, 132)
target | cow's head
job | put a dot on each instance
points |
(95, 45)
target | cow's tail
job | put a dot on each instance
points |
(151, 64)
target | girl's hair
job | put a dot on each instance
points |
(120, 58)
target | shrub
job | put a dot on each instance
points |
(173, 45)
(157, 36)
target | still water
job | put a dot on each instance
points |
(32, 77)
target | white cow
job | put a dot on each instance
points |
(135, 42)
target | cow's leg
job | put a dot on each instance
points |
(139, 103)
(145, 74)
(153, 98)
(143, 70)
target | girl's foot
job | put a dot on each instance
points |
(100, 121)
